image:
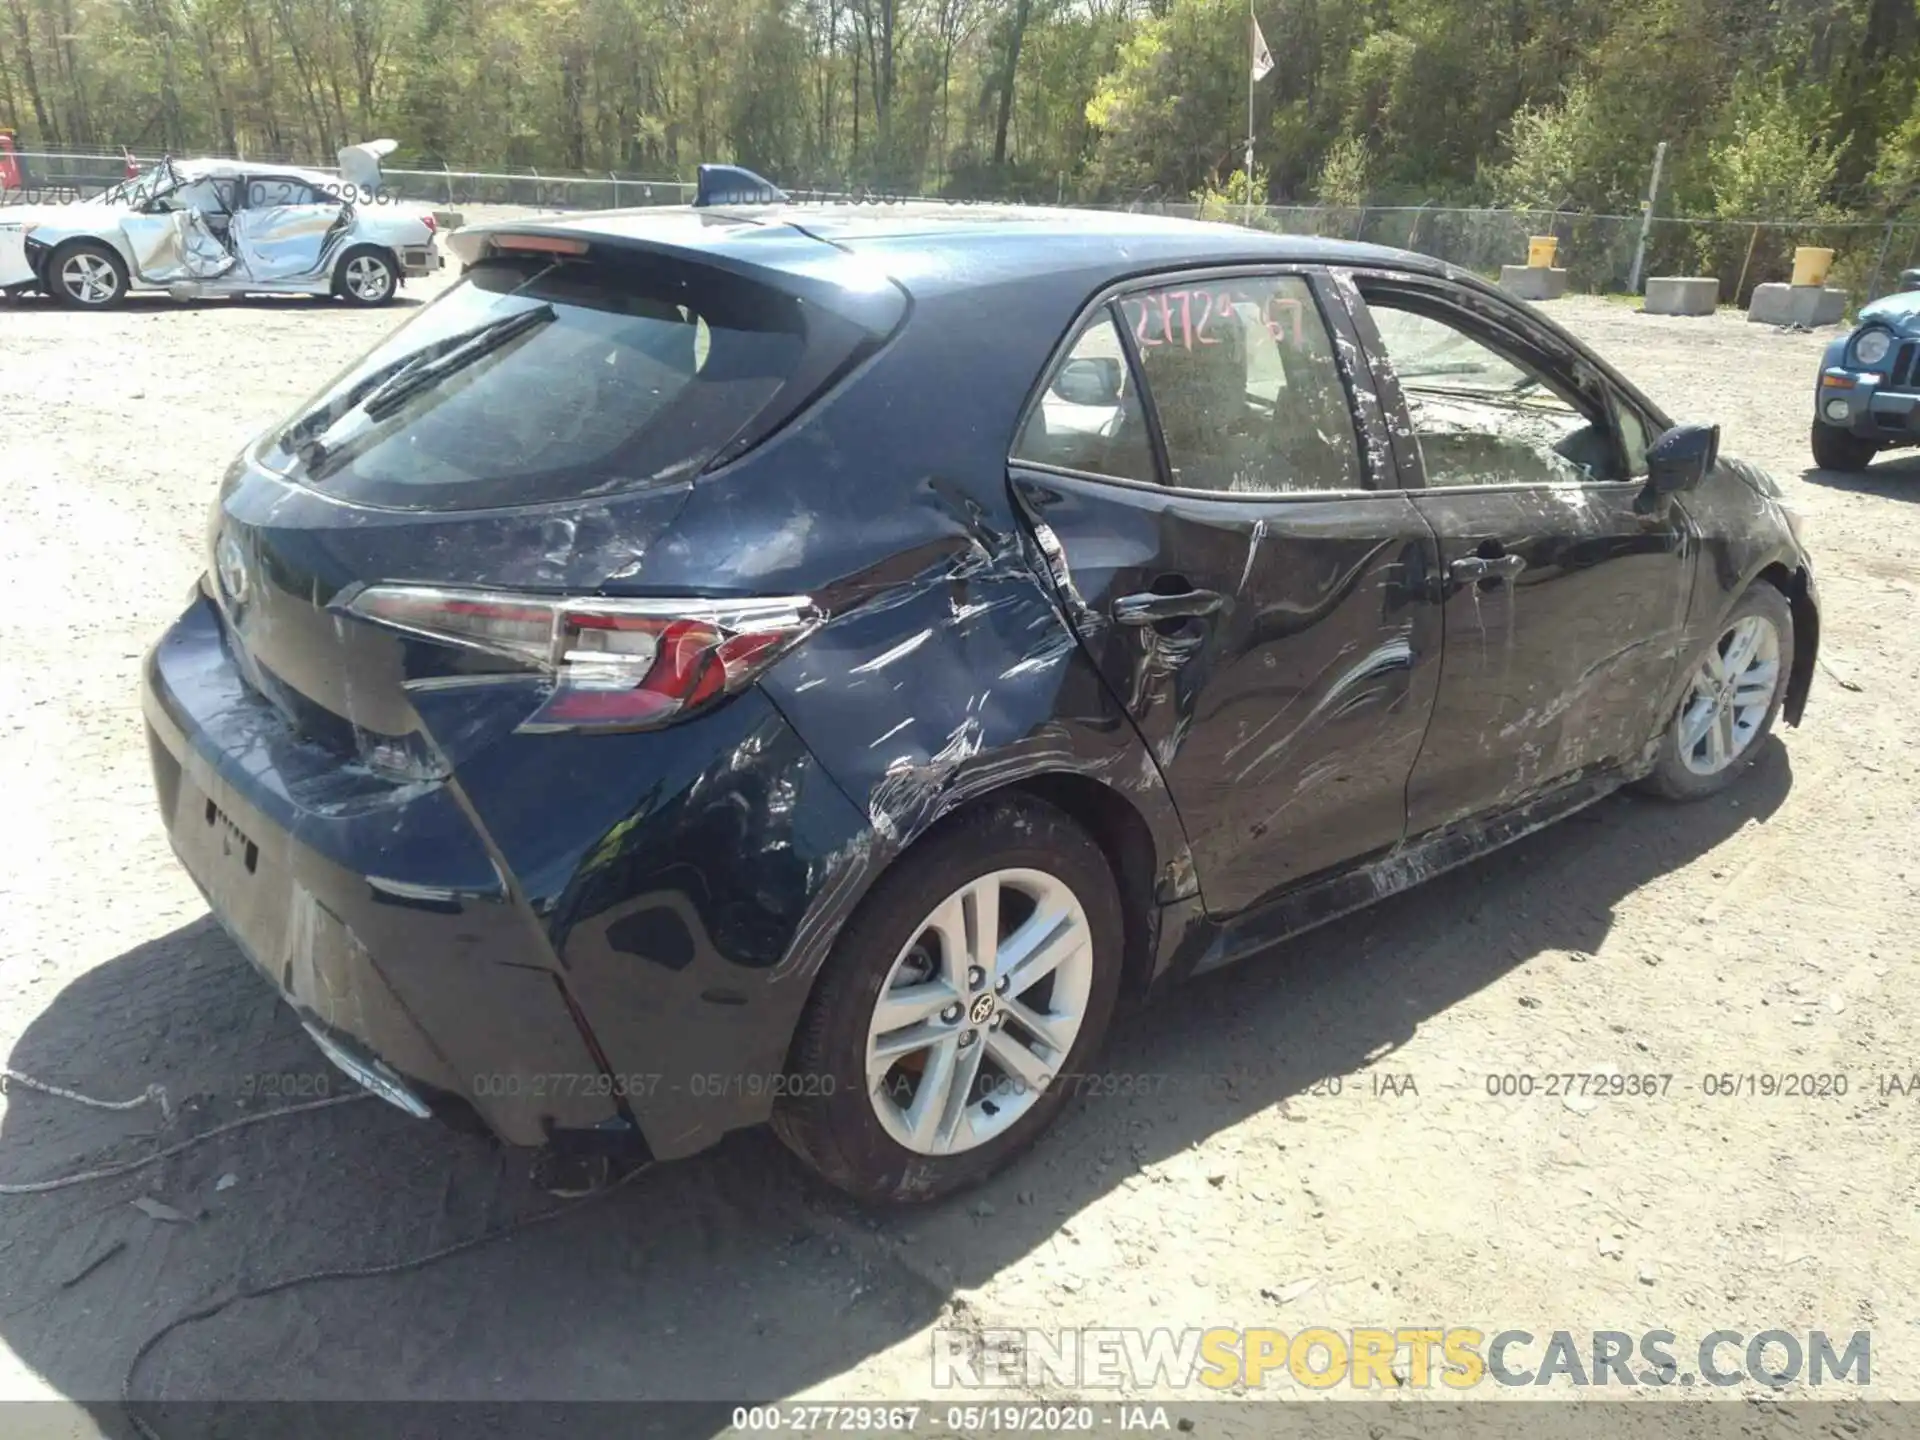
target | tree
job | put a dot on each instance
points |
(1549, 150)
(1172, 111)
(1016, 34)
(1343, 175)
(1774, 162)
(1800, 104)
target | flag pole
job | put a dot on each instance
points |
(1252, 57)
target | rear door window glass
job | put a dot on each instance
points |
(1243, 378)
(534, 380)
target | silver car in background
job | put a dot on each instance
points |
(196, 228)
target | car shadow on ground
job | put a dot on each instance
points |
(721, 1279)
(1897, 478)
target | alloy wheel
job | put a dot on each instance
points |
(368, 277)
(1730, 697)
(88, 278)
(979, 1011)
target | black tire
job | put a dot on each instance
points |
(1671, 778)
(1837, 449)
(366, 259)
(830, 1123)
(58, 282)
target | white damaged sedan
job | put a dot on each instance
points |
(197, 228)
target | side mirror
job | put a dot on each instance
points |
(1089, 380)
(1681, 459)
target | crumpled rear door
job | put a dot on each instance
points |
(283, 242)
(176, 245)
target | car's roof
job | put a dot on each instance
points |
(950, 242)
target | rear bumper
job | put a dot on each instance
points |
(417, 260)
(373, 908)
(461, 946)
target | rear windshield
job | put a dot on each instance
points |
(536, 379)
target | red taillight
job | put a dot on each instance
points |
(433, 225)
(615, 664)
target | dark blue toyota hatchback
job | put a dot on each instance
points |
(812, 663)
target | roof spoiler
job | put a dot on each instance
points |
(731, 185)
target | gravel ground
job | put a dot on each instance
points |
(1350, 1169)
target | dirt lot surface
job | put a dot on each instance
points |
(1270, 1178)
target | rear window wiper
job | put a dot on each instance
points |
(371, 387)
(390, 396)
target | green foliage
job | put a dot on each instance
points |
(1173, 108)
(1229, 199)
(1549, 149)
(1788, 107)
(1343, 174)
(1378, 79)
(1775, 161)
(1896, 171)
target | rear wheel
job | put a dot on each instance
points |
(87, 274)
(1836, 449)
(366, 275)
(1731, 700)
(982, 969)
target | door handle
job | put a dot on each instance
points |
(1469, 568)
(1151, 609)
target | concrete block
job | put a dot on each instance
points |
(449, 219)
(1533, 283)
(1808, 305)
(1682, 294)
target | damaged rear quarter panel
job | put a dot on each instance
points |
(960, 681)
(945, 669)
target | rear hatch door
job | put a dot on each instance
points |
(532, 432)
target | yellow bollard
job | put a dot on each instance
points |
(1540, 251)
(1810, 265)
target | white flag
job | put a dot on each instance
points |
(1262, 56)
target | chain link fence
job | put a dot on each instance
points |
(1597, 251)
(65, 176)
(71, 175)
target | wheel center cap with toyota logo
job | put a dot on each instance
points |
(981, 1010)
(231, 566)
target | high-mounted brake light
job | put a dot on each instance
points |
(615, 664)
(545, 244)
